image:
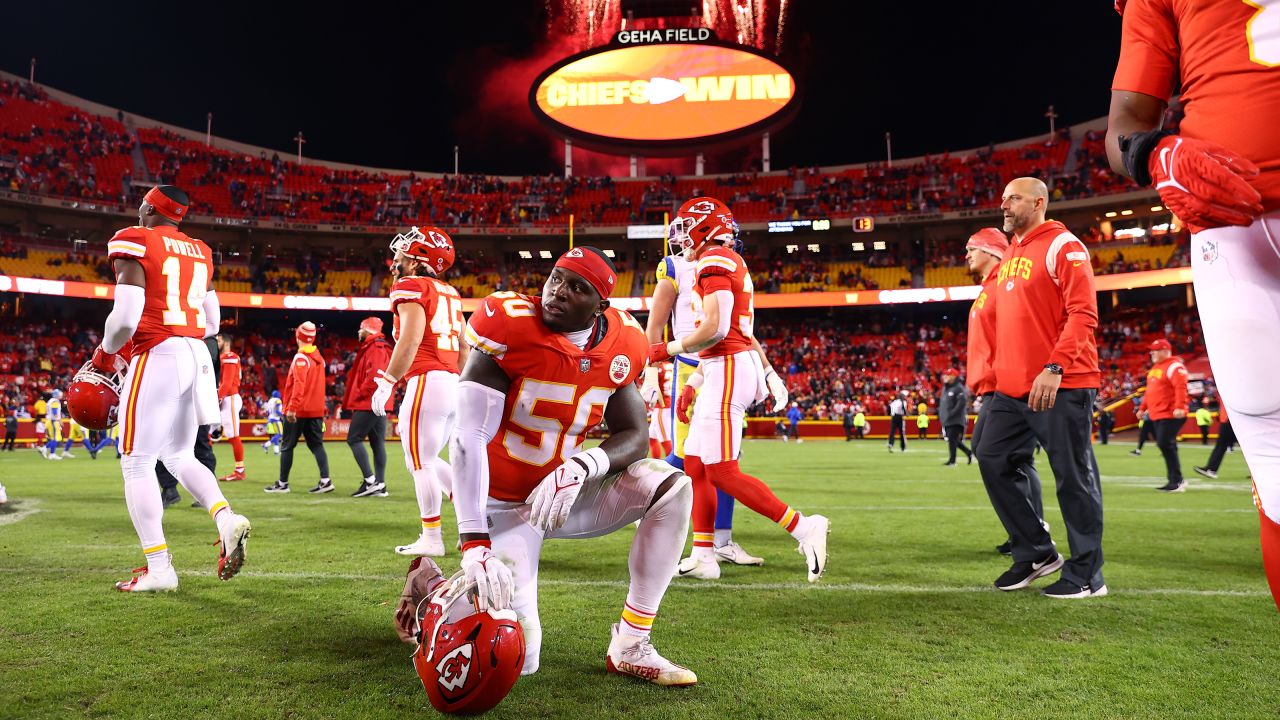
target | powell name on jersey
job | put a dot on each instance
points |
(177, 269)
(443, 307)
(558, 390)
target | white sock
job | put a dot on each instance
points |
(201, 483)
(142, 497)
(427, 491)
(723, 536)
(802, 526)
(655, 550)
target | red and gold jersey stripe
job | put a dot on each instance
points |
(131, 411)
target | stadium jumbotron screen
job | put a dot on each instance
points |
(664, 96)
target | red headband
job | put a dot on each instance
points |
(165, 205)
(592, 268)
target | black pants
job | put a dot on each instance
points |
(1104, 432)
(955, 439)
(1028, 470)
(364, 424)
(922, 432)
(9, 437)
(1066, 433)
(898, 424)
(1146, 432)
(848, 433)
(204, 453)
(1166, 432)
(1204, 434)
(312, 429)
(1226, 438)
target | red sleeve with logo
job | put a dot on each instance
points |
(1223, 58)
(1075, 278)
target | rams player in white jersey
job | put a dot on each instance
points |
(675, 301)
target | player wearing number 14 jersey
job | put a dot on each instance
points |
(543, 373)
(732, 377)
(164, 302)
(428, 333)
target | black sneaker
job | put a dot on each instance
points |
(1022, 573)
(321, 487)
(1173, 487)
(970, 459)
(1135, 451)
(1211, 474)
(1006, 548)
(949, 464)
(370, 489)
(277, 487)
(1064, 589)
(169, 497)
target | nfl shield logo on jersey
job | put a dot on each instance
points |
(584, 365)
(619, 368)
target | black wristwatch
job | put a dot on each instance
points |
(1054, 368)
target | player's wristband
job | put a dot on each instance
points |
(675, 347)
(595, 461)
(384, 375)
(695, 381)
(1136, 150)
(476, 543)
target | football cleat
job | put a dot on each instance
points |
(44, 451)
(236, 476)
(733, 553)
(52, 456)
(426, 545)
(694, 567)
(813, 546)
(146, 581)
(232, 538)
(637, 657)
(4, 496)
(67, 454)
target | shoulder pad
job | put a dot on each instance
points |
(128, 242)
(718, 261)
(496, 319)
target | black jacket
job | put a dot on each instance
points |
(953, 405)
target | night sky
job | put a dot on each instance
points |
(391, 86)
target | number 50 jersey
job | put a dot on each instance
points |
(558, 390)
(177, 269)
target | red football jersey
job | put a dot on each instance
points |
(230, 384)
(1227, 55)
(177, 270)
(982, 338)
(439, 347)
(558, 391)
(723, 269)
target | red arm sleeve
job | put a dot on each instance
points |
(354, 377)
(1075, 277)
(1178, 379)
(1149, 54)
(296, 387)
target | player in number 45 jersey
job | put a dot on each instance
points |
(165, 303)
(543, 373)
(732, 376)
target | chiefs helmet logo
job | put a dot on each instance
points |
(438, 240)
(454, 668)
(704, 207)
(619, 368)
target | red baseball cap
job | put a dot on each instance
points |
(952, 372)
(1160, 344)
(989, 240)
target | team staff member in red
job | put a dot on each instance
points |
(1165, 406)
(230, 404)
(371, 358)
(1046, 378)
(304, 411)
(1221, 176)
(983, 253)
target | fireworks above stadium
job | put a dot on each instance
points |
(758, 23)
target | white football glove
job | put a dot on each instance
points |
(650, 389)
(386, 386)
(554, 497)
(777, 389)
(492, 578)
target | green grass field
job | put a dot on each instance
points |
(905, 623)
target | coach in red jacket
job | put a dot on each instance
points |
(1164, 405)
(304, 410)
(1046, 377)
(373, 355)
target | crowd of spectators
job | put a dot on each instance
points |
(51, 148)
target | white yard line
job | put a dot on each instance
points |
(29, 507)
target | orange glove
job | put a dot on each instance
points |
(1204, 184)
(687, 395)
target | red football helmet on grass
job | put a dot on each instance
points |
(468, 661)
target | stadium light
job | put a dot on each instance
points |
(878, 245)
(544, 254)
(858, 247)
(526, 255)
(1157, 208)
(609, 254)
(1113, 213)
(1126, 212)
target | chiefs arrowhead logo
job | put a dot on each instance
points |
(454, 668)
(576, 252)
(619, 368)
(704, 207)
